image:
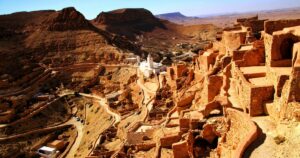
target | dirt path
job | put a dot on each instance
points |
(37, 110)
(79, 128)
(72, 121)
(103, 103)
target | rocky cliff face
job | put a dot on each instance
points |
(127, 16)
(128, 22)
(67, 19)
(56, 38)
(24, 21)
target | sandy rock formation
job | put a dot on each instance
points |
(67, 19)
(128, 16)
(125, 22)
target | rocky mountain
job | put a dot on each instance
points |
(67, 19)
(56, 38)
(128, 22)
(176, 17)
(156, 36)
(170, 16)
(65, 37)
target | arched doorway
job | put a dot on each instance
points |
(286, 48)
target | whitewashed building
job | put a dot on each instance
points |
(150, 67)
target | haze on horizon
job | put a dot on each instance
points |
(191, 8)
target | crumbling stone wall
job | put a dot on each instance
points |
(185, 100)
(250, 96)
(274, 52)
(184, 149)
(207, 61)
(241, 133)
(234, 39)
(260, 95)
(279, 46)
(167, 141)
(272, 26)
(255, 25)
(212, 87)
(278, 80)
(295, 81)
(253, 57)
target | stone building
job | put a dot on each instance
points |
(150, 67)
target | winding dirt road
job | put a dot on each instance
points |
(79, 126)
(75, 146)
(103, 103)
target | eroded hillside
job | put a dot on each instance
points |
(123, 85)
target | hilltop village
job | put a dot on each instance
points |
(237, 96)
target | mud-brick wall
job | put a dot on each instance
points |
(179, 70)
(134, 138)
(244, 93)
(184, 124)
(276, 59)
(242, 88)
(260, 95)
(145, 146)
(167, 141)
(295, 87)
(272, 26)
(242, 132)
(184, 149)
(268, 39)
(233, 39)
(212, 87)
(256, 25)
(207, 61)
(185, 100)
(180, 149)
(277, 80)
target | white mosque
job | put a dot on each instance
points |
(149, 67)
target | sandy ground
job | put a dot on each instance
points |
(166, 153)
(79, 128)
(97, 121)
(103, 103)
(266, 147)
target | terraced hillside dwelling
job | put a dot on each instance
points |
(129, 84)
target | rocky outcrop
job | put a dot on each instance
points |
(23, 21)
(128, 22)
(124, 16)
(67, 19)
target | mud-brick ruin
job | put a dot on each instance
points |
(250, 71)
(209, 108)
(237, 97)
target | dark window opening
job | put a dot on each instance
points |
(286, 48)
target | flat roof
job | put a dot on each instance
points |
(144, 128)
(281, 70)
(253, 69)
(246, 47)
(260, 81)
(193, 115)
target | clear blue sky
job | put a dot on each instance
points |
(91, 8)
